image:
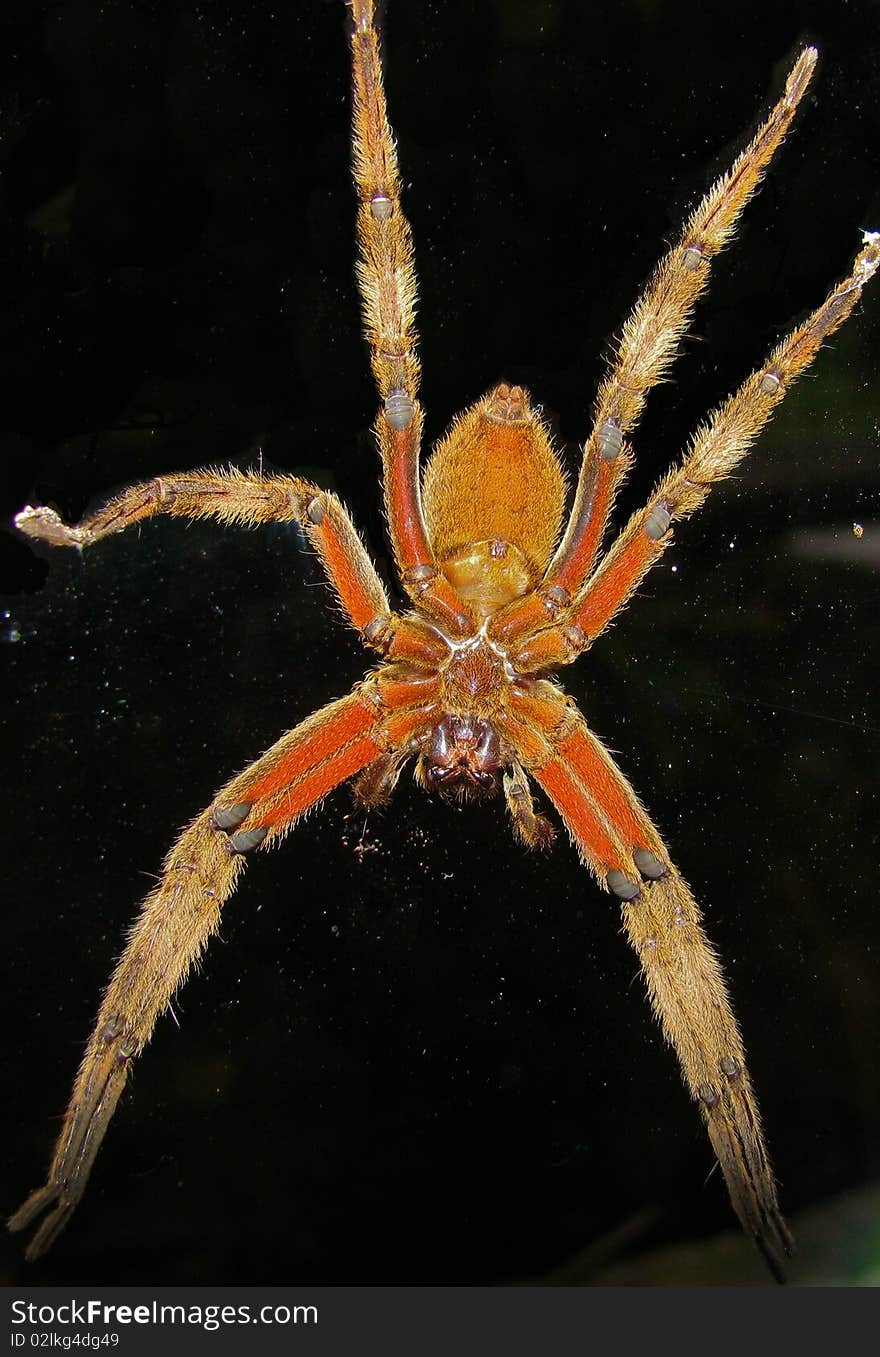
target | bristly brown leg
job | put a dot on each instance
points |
(247, 499)
(387, 280)
(716, 449)
(689, 996)
(662, 921)
(652, 333)
(180, 915)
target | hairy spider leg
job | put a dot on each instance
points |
(644, 353)
(387, 281)
(407, 701)
(180, 915)
(715, 450)
(243, 498)
(247, 499)
(601, 846)
(662, 922)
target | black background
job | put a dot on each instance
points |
(420, 1054)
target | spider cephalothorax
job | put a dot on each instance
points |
(500, 595)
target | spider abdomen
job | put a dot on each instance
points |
(495, 478)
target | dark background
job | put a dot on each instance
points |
(418, 1053)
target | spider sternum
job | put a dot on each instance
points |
(477, 675)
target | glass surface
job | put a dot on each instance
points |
(419, 1053)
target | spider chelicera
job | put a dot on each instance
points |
(504, 591)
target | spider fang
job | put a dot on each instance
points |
(464, 752)
(554, 598)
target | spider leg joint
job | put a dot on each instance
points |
(622, 885)
(399, 409)
(316, 510)
(610, 441)
(555, 598)
(771, 383)
(379, 632)
(128, 1047)
(649, 865)
(228, 818)
(245, 840)
(730, 1066)
(420, 576)
(692, 258)
(658, 521)
(381, 207)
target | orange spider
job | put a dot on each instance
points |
(502, 595)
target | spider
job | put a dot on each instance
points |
(504, 589)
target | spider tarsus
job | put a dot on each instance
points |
(51, 1227)
(771, 1258)
(45, 525)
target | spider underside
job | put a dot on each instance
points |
(504, 589)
